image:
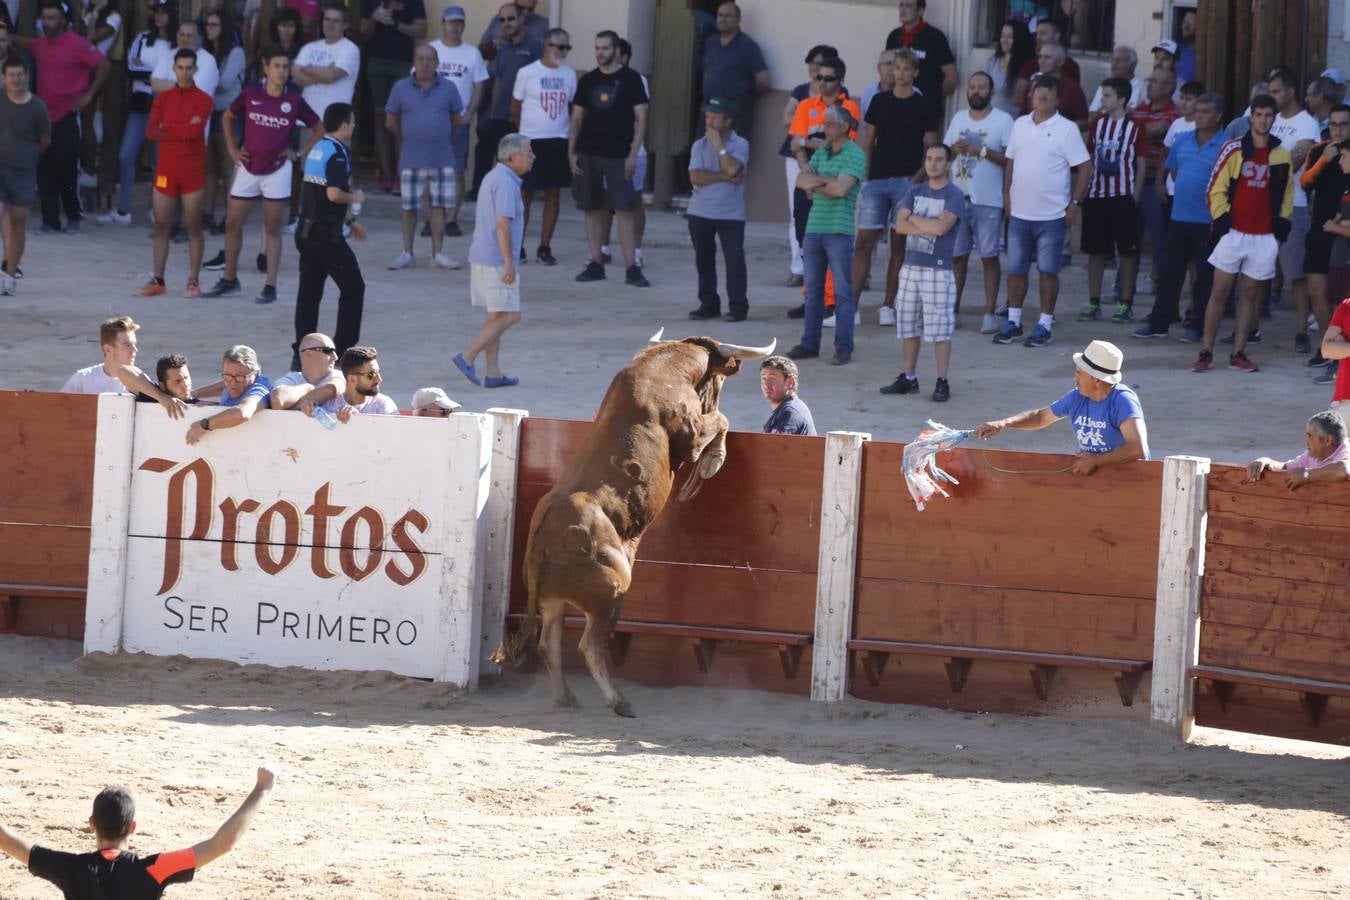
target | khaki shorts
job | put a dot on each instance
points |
(487, 291)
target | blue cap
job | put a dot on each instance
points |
(453, 14)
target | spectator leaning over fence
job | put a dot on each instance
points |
(512, 50)
(432, 402)
(1124, 62)
(541, 108)
(422, 112)
(1190, 162)
(734, 68)
(778, 384)
(978, 136)
(1111, 218)
(117, 339)
(1326, 459)
(831, 177)
(930, 217)
(318, 360)
(494, 283)
(177, 122)
(463, 65)
(937, 77)
(112, 870)
(1297, 131)
(390, 28)
(716, 212)
(358, 393)
(1106, 416)
(609, 120)
(1251, 198)
(1044, 151)
(70, 73)
(172, 387)
(1325, 185)
(25, 132)
(800, 93)
(900, 125)
(246, 390)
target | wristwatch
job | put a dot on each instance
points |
(1075, 201)
(1307, 474)
(722, 152)
(206, 424)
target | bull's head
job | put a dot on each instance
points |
(723, 360)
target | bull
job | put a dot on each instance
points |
(659, 414)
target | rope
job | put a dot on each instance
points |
(984, 457)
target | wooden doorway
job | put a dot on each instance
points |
(1239, 41)
(676, 86)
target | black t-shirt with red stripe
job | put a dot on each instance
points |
(112, 874)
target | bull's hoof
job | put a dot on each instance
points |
(623, 708)
(567, 701)
(711, 464)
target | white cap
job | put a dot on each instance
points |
(433, 396)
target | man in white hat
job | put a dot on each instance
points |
(1106, 415)
(433, 402)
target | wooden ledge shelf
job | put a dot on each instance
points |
(959, 661)
(790, 644)
(1313, 694)
(11, 594)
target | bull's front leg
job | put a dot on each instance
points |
(710, 450)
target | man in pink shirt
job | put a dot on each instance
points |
(1326, 459)
(70, 73)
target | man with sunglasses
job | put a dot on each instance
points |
(318, 359)
(245, 392)
(512, 50)
(360, 393)
(541, 109)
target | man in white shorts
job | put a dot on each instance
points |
(270, 114)
(930, 215)
(498, 233)
(1251, 201)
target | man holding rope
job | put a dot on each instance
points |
(1106, 415)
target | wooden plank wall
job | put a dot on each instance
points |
(1238, 41)
(1024, 556)
(741, 554)
(46, 482)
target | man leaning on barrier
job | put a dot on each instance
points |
(1326, 459)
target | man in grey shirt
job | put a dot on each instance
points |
(25, 131)
(717, 211)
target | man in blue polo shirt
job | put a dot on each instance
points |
(734, 68)
(246, 391)
(1191, 161)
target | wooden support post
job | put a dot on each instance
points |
(1127, 685)
(874, 664)
(837, 564)
(1181, 566)
(109, 522)
(790, 655)
(703, 653)
(958, 670)
(1223, 692)
(501, 531)
(1041, 676)
(1315, 705)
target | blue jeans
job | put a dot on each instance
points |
(133, 138)
(1155, 223)
(833, 252)
(1044, 240)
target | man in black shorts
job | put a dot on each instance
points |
(609, 118)
(114, 871)
(541, 110)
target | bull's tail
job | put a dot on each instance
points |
(518, 646)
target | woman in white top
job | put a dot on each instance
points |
(145, 51)
(1015, 46)
(220, 41)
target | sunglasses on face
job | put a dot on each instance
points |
(373, 375)
(827, 78)
(328, 350)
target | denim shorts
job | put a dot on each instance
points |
(1045, 239)
(879, 202)
(981, 229)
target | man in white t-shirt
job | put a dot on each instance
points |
(326, 69)
(1124, 61)
(318, 358)
(360, 389)
(1187, 95)
(208, 73)
(1044, 152)
(462, 65)
(541, 107)
(1297, 131)
(117, 337)
(977, 137)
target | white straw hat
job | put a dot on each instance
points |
(1102, 360)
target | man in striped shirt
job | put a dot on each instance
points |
(1118, 147)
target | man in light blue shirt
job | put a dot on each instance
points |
(498, 232)
(717, 212)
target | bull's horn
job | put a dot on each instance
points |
(736, 351)
(656, 338)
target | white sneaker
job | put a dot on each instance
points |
(403, 261)
(989, 324)
(1312, 323)
(87, 180)
(113, 217)
(9, 285)
(445, 261)
(827, 322)
(886, 315)
(291, 226)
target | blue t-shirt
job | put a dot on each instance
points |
(499, 195)
(1192, 165)
(729, 70)
(260, 388)
(791, 417)
(921, 200)
(1096, 423)
(424, 116)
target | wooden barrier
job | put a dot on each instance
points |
(739, 555)
(1275, 609)
(1027, 566)
(46, 482)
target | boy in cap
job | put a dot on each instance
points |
(433, 402)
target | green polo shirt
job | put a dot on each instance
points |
(834, 215)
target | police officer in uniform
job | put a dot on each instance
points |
(324, 252)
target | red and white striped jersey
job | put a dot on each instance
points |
(1116, 146)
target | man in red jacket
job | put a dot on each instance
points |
(178, 121)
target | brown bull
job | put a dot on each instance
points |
(659, 413)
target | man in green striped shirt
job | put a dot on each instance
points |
(832, 180)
